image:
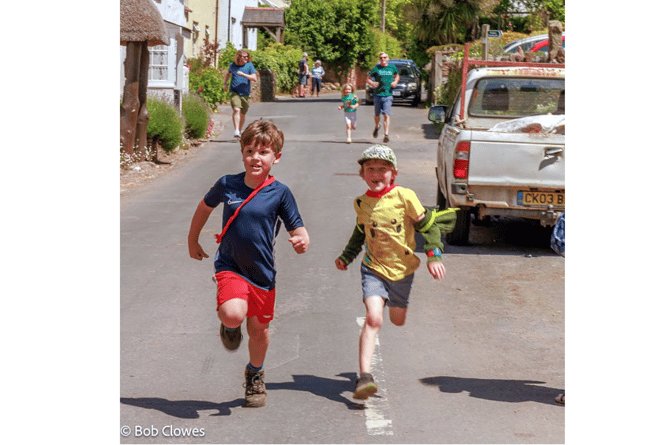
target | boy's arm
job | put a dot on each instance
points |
(300, 239)
(200, 218)
(425, 225)
(352, 249)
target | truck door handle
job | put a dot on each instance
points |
(552, 152)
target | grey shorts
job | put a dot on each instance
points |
(395, 293)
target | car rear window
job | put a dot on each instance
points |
(517, 97)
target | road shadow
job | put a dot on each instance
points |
(502, 236)
(497, 390)
(183, 409)
(430, 131)
(312, 99)
(331, 389)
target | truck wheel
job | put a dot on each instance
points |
(441, 199)
(460, 234)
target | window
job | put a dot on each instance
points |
(158, 64)
(516, 97)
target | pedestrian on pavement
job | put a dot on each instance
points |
(244, 262)
(383, 78)
(243, 73)
(387, 217)
(349, 105)
(303, 71)
(317, 73)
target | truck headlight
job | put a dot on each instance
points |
(411, 86)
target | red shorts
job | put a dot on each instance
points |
(260, 302)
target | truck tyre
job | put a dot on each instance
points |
(441, 199)
(460, 234)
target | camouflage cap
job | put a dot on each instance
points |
(379, 151)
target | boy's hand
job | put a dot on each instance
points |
(437, 269)
(300, 243)
(196, 252)
(299, 238)
(340, 264)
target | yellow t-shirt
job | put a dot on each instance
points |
(389, 232)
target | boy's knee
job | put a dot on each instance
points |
(398, 322)
(374, 320)
(397, 316)
(231, 319)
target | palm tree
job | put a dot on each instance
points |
(439, 22)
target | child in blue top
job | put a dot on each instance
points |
(244, 262)
(349, 105)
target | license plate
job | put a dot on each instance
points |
(540, 199)
(397, 93)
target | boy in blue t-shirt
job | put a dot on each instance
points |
(244, 261)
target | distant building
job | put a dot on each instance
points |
(168, 75)
(230, 13)
(189, 23)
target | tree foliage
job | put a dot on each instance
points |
(337, 31)
(438, 22)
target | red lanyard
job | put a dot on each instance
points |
(267, 182)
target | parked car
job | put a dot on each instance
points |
(409, 87)
(526, 44)
(542, 47)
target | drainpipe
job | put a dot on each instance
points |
(216, 34)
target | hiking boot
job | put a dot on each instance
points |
(231, 338)
(364, 386)
(376, 132)
(256, 395)
(386, 138)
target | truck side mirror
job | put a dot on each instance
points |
(437, 113)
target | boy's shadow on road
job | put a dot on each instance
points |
(510, 391)
(189, 409)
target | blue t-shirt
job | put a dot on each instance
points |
(238, 84)
(247, 248)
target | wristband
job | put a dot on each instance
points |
(436, 252)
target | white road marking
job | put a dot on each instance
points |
(376, 407)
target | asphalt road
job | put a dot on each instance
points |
(479, 360)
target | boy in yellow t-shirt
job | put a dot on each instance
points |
(387, 216)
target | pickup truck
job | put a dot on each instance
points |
(497, 155)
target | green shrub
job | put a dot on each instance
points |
(282, 60)
(208, 83)
(197, 114)
(166, 125)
